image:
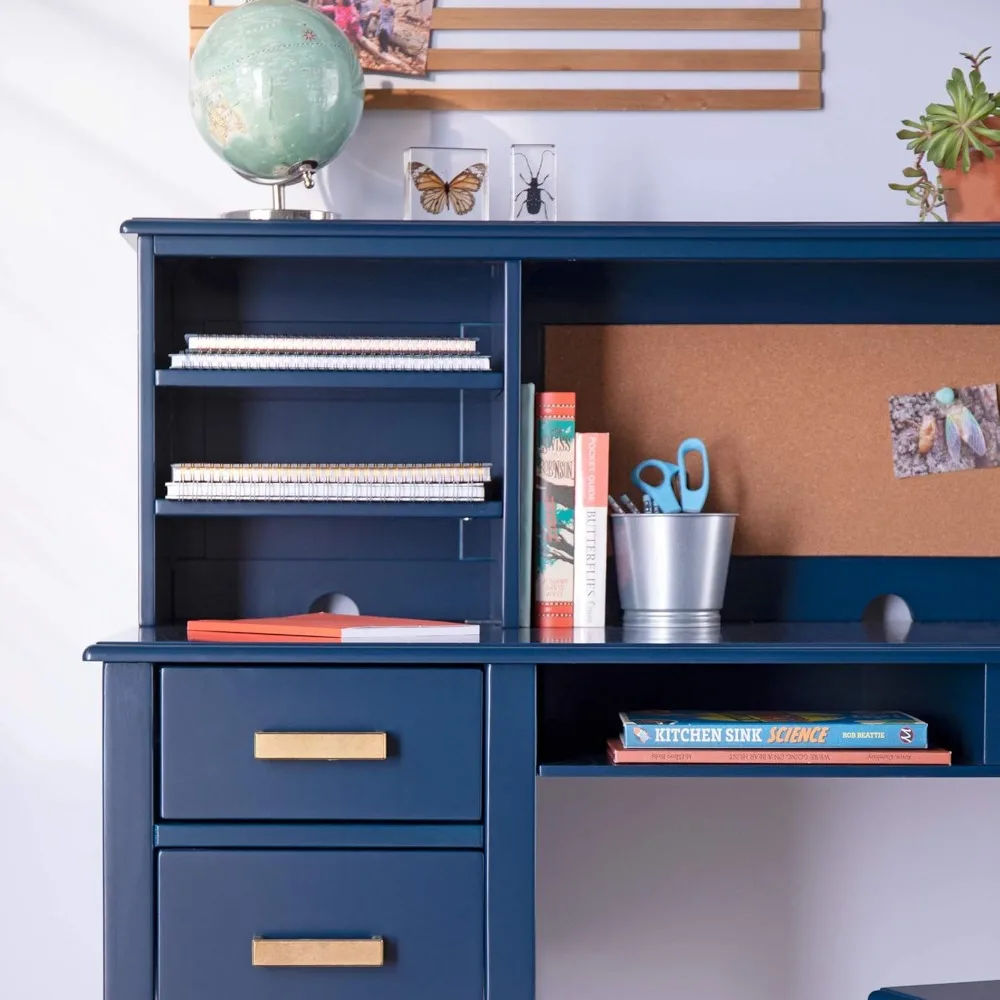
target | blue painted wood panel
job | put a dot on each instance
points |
(128, 831)
(510, 832)
(316, 835)
(941, 991)
(767, 643)
(426, 905)
(569, 241)
(208, 718)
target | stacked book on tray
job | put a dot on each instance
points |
(454, 482)
(773, 738)
(325, 627)
(276, 352)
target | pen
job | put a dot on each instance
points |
(615, 506)
(647, 504)
(628, 505)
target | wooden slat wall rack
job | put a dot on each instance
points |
(806, 60)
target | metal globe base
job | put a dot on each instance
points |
(305, 174)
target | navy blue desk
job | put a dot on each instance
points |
(942, 991)
(231, 870)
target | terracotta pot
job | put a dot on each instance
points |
(975, 196)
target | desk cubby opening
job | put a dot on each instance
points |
(327, 426)
(578, 704)
(266, 565)
(332, 297)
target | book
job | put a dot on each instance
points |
(263, 361)
(325, 627)
(554, 502)
(525, 503)
(401, 492)
(590, 530)
(767, 730)
(293, 344)
(617, 754)
(282, 472)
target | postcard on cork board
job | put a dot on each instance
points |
(946, 430)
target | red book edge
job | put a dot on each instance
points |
(320, 625)
(617, 754)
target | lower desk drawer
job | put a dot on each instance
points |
(243, 743)
(325, 907)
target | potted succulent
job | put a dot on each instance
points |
(961, 140)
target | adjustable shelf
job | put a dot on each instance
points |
(208, 379)
(597, 768)
(276, 508)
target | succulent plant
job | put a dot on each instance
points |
(946, 135)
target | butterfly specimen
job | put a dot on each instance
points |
(960, 426)
(458, 194)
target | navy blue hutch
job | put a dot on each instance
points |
(232, 872)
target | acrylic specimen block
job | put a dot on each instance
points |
(446, 183)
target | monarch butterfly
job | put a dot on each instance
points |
(458, 194)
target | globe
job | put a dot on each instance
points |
(275, 85)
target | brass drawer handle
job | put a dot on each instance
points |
(315, 952)
(319, 746)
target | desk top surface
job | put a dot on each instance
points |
(959, 642)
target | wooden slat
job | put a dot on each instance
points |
(678, 60)
(593, 100)
(811, 42)
(634, 19)
(201, 16)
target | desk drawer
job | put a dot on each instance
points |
(236, 742)
(427, 907)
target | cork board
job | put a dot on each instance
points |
(796, 421)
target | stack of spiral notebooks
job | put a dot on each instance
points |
(464, 481)
(282, 352)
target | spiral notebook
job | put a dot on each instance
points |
(263, 361)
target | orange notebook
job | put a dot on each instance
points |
(323, 627)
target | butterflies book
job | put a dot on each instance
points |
(323, 627)
(772, 730)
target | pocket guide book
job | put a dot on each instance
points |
(772, 730)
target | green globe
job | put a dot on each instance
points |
(275, 84)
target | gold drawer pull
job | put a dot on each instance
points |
(318, 952)
(319, 746)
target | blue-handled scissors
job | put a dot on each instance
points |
(662, 494)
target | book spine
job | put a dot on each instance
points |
(262, 361)
(894, 735)
(590, 524)
(291, 344)
(619, 756)
(554, 501)
(525, 503)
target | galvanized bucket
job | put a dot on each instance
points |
(672, 568)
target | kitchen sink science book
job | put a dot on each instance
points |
(772, 730)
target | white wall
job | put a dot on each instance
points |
(773, 889)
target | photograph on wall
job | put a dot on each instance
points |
(389, 36)
(947, 430)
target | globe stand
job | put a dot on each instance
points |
(305, 173)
